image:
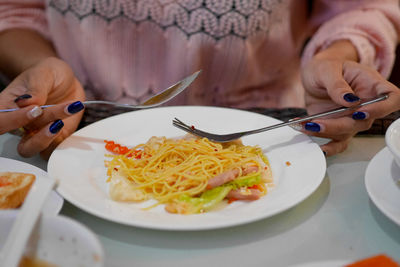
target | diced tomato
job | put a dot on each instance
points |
(116, 148)
(256, 186)
(109, 145)
(259, 187)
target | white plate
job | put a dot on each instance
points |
(54, 203)
(79, 165)
(382, 180)
(58, 240)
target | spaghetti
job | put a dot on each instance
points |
(189, 175)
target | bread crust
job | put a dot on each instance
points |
(14, 186)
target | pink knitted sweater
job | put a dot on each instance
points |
(250, 51)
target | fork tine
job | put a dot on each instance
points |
(181, 126)
(202, 134)
(190, 129)
(177, 123)
(181, 122)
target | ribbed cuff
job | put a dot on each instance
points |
(369, 31)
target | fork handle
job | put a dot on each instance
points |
(319, 115)
(87, 103)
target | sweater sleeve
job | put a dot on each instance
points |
(371, 26)
(26, 14)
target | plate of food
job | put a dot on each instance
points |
(16, 179)
(382, 181)
(137, 169)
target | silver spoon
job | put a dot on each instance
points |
(154, 101)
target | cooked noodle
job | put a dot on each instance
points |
(165, 169)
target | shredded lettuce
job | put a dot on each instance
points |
(246, 181)
(207, 200)
(210, 198)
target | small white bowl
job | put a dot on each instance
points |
(58, 240)
(392, 139)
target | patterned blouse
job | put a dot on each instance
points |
(250, 52)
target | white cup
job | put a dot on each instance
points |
(392, 139)
(57, 240)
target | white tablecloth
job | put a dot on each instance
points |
(338, 222)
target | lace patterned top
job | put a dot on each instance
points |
(250, 52)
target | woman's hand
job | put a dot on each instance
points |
(331, 80)
(50, 81)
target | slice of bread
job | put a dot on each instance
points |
(14, 186)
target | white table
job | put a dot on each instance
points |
(337, 222)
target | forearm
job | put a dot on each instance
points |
(22, 48)
(342, 49)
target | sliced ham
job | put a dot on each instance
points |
(244, 194)
(230, 175)
(222, 178)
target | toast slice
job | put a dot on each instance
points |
(14, 186)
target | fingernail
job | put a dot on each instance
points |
(359, 115)
(349, 97)
(296, 126)
(56, 126)
(35, 112)
(312, 127)
(75, 107)
(324, 153)
(25, 96)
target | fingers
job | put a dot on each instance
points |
(336, 127)
(36, 142)
(338, 89)
(27, 89)
(335, 147)
(389, 105)
(43, 132)
(335, 82)
(60, 111)
(51, 81)
(339, 130)
(16, 119)
(339, 139)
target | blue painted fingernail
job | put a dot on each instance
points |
(349, 97)
(75, 107)
(56, 126)
(312, 127)
(359, 115)
(25, 96)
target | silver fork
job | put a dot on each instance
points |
(154, 101)
(233, 136)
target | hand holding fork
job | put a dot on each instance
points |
(293, 122)
(52, 81)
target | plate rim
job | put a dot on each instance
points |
(383, 153)
(54, 193)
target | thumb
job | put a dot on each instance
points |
(26, 89)
(336, 86)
